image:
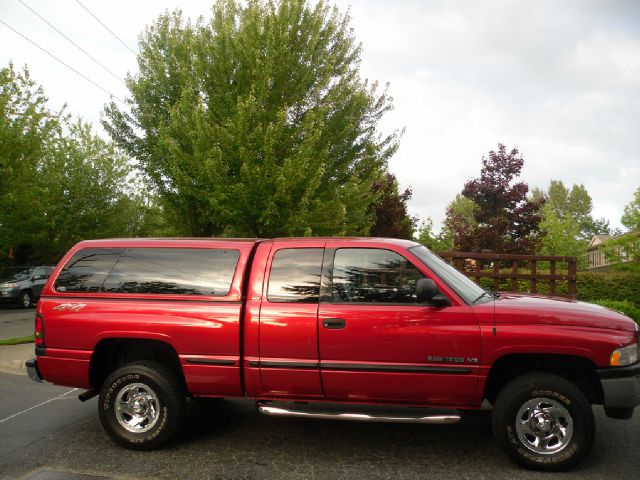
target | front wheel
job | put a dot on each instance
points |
(141, 405)
(544, 422)
(25, 299)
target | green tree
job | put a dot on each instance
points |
(438, 242)
(26, 130)
(88, 188)
(561, 234)
(623, 251)
(631, 216)
(60, 183)
(256, 122)
(567, 223)
(573, 204)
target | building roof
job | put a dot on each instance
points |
(598, 240)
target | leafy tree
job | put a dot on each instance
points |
(631, 217)
(561, 234)
(88, 187)
(505, 221)
(573, 205)
(256, 122)
(438, 242)
(26, 129)
(623, 251)
(59, 182)
(567, 223)
(390, 210)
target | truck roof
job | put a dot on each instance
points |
(185, 241)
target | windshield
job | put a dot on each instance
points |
(15, 274)
(459, 283)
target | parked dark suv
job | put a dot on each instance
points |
(22, 285)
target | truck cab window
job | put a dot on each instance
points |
(295, 275)
(371, 275)
(175, 271)
(87, 270)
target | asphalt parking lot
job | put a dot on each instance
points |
(16, 322)
(46, 429)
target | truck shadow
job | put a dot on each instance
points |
(214, 427)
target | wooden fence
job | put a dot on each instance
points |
(493, 265)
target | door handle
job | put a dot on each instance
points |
(334, 323)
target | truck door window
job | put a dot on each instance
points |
(295, 275)
(370, 275)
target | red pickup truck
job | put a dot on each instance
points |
(361, 328)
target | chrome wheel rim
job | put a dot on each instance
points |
(137, 408)
(544, 426)
(26, 300)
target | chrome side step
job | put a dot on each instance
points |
(359, 417)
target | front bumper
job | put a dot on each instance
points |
(621, 386)
(32, 370)
(9, 294)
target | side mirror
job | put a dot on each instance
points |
(427, 292)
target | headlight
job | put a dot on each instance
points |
(8, 285)
(624, 356)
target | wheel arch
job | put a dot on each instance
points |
(110, 354)
(579, 370)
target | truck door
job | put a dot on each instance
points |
(288, 330)
(377, 344)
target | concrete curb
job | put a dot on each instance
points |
(13, 358)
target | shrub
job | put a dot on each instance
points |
(617, 286)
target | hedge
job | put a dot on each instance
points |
(627, 308)
(618, 286)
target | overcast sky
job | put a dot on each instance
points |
(558, 79)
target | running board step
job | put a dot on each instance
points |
(443, 419)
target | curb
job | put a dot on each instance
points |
(13, 367)
(13, 358)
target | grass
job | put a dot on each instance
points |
(17, 341)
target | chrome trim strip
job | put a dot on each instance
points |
(360, 417)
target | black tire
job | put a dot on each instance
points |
(539, 408)
(25, 299)
(142, 405)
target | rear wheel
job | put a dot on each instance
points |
(141, 405)
(544, 422)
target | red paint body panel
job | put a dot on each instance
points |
(415, 389)
(395, 336)
(68, 372)
(243, 344)
(537, 310)
(288, 333)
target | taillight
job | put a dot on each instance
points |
(39, 330)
